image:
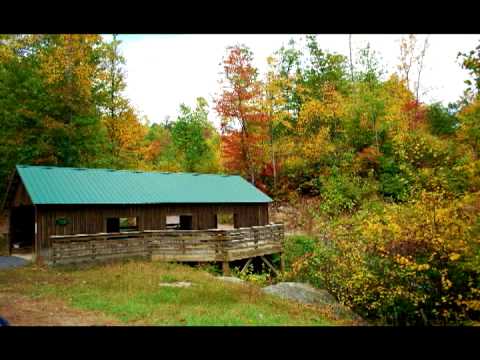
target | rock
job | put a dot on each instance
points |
(303, 293)
(307, 294)
(177, 284)
(231, 279)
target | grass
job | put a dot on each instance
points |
(130, 292)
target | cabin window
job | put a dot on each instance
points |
(179, 222)
(125, 224)
(225, 221)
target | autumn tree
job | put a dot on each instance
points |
(190, 134)
(365, 106)
(412, 60)
(287, 74)
(160, 153)
(243, 123)
(471, 62)
(407, 57)
(279, 118)
(124, 127)
(49, 99)
(322, 67)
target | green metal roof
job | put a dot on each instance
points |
(62, 185)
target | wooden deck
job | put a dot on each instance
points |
(170, 245)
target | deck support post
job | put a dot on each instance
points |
(282, 263)
(269, 265)
(246, 265)
(226, 268)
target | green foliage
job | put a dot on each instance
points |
(471, 62)
(440, 120)
(189, 137)
(261, 278)
(323, 67)
(394, 183)
(342, 193)
(296, 246)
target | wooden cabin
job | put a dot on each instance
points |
(95, 210)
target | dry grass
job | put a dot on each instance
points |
(130, 293)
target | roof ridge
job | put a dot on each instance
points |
(125, 170)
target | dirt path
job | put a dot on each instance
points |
(24, 311)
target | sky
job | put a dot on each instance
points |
(163, 71)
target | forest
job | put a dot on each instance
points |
(386, 186)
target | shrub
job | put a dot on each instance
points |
(297, 245)
(411, 264)
(440, 120)
(394, 182)
(262, 278)
(343, 193)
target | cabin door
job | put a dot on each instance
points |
(22, 229)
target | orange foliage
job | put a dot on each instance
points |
(244, 123)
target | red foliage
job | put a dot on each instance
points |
(267, 170)
(417, 114)
(243, 124)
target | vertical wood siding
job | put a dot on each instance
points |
(91, 219)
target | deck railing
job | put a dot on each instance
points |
(170, 245)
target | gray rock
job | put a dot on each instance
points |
(300, 292)
(307, 294)
(177, 284)
(231, 279)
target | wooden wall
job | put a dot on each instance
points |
(21, 197)
(91, 219)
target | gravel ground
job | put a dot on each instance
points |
(7, 262)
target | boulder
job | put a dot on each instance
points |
(231, 279)
(177, 284)
(307, 294)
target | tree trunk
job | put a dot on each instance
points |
(351, 59)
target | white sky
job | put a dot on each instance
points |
(164, 71)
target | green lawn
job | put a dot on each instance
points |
(131, 292)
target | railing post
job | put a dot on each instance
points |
(53, 253)
(226, 268)
(93, 249)
(226, 263)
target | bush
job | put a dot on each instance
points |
(343, 193)
(411, 264)
(440, 121)
(249, 274)
(296, 246)
(394, 183)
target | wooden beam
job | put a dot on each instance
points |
(246, 265)
(226, 268)
(269, 265)
(282, 263)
